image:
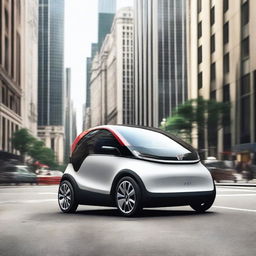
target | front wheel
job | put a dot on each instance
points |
(66, 197)
(203, 205)
(128, 197)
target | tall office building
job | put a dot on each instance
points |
(106, 14)
(112, 81)
(18, 69)
(68, 114)
(89, 60)
(51, 75)
(160, 59)
(86, 107)
(222, 66)
(107, 10)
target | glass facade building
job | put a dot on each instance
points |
(107, 10)
(51, 63)
(160, 59)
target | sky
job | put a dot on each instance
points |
(81, 21)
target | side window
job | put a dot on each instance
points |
(92, 143)
(105, 138)
(83, 149)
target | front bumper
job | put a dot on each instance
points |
(176, 199)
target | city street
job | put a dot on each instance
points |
(32, 224)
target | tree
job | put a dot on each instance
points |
(40, 153)
(22, 142)
(26, 144)
(207, 116)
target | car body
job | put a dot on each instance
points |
(220, 171)
(17, 174)
(134, 167)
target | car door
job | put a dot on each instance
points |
(98, 168)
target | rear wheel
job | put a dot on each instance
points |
(128, 197)
(66, 197)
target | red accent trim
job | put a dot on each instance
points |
(116, 134)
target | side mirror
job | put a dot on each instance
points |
(109, 150)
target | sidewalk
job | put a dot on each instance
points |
(239, 183)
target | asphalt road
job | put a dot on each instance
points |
(31, 224)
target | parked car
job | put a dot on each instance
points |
(49, 177)
(134, 167)
(17, 174)
(221, 171)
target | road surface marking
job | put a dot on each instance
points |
(47, 193)
(28, 201)
(235, 209)
(237, 195)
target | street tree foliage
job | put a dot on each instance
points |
(206, 116)
(22, 141)
(26, 144)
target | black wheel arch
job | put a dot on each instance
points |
(129, 173)
(69, 178)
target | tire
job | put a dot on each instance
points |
(66, 197)
(128, 197)
(203, 205)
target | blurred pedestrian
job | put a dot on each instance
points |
(249, 170)
(239, 167)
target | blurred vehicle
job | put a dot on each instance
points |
(220, 171)
(17, 174)
(49, 177)
(254, 171)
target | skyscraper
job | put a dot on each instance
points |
(18, 69)
(222, 67)
(107, 10)
(51, 75)
(68, 113)
(112, 87)
(160, 59)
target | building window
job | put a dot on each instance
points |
(225, 33)
(245, 13)
(199, 29)
(6, 52)
(52, 143)
(225, 5)
(212, 15)
(199, 6)
(200, 55)
(245, 109)
(226, 63)
(213, 43)
(18, 58)
(226, 120)
(245, 51)
(6, 20)
(3, 133)
(213, 95)
(200, 80)
(245, 85)
(226, 93)
(213, 71)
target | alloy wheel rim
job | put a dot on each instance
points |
(65, 196)
(126, 197)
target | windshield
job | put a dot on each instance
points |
(152, 144)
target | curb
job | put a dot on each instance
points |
(235, 185)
